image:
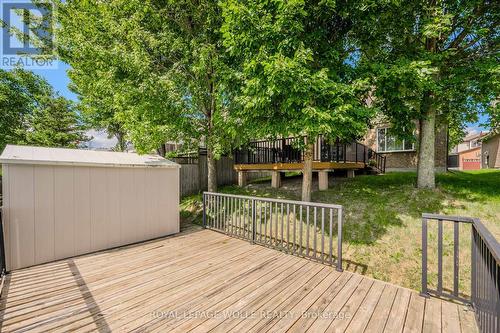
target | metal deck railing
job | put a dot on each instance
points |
(485, 269)
(287, 150)
(305, 229)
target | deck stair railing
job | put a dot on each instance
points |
(485, 269)
(305, 229)
(285, 150)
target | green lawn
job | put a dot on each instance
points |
(382, 232)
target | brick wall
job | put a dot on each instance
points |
(472, 158)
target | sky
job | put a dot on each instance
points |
(59, 79)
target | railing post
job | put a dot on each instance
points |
(473, 263)
(455, 257)
(337, 146)
(204, 210)
(254, 222)
(339, 240)
(424, 291)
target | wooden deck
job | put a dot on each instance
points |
(299, 166)
(202, 281)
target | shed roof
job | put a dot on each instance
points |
(14, 154)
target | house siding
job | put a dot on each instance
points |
(407, 160)
(491, 147)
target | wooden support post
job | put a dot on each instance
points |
(276, 179)
(242, 178)
(323, 180)
(350, 173)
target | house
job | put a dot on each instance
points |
(379, 150)
(491, 151)
(401, 155)
(467, 154)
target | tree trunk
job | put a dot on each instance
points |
(426, 149)
(120, 138)
(211, 162)
(212, 171)
(162, 151)
(307, 171)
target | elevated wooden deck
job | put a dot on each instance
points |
(296, 166)
(202, 281)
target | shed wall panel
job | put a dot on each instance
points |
(64, 204)
(44, 213)
(139, 204)
(113, 208)
(98, 197)
(56, 212)
(82, 212)
(21, 219)
(127, 200)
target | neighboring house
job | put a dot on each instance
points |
(467, 154)
(491, 151)
(470, 159)
(400, 154)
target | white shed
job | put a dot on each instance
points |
(59, 203)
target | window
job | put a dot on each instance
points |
(475, 143)
(387, 142)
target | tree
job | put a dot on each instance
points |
(96, 104)
(55, 123)
(437, 63)
(296, 76)
(32, 113)
(157, 66)
(20, 92)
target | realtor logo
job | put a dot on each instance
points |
(27, 34)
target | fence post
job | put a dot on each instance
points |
(204, 211)
(339, 240)
(254, 221)
(424, 291)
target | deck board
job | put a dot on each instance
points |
(200, 281)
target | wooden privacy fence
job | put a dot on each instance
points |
(485, 269)
(194, 173)
(305, 229)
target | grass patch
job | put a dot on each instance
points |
(382, 230)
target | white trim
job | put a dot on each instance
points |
(385, 144)
(396, 151)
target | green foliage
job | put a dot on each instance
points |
(294, 75)
(19, 94)
(444, 49)
(155, 68)
(55, 123)
(31, 113)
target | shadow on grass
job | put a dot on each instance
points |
(373, 204)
